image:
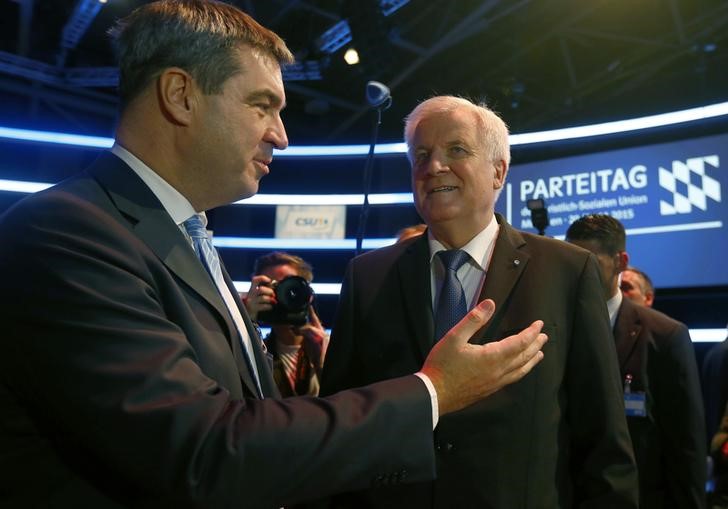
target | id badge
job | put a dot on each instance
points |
(634, 404)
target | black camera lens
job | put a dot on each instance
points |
(293, 293)
(293, 296)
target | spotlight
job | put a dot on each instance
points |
(351, 56)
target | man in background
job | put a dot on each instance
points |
(131, 376)
(556, 439)
(714, 379)
(637, 286)
(297, 341)
(715, 391)
(660, 379)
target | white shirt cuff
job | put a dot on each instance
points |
(433, 397)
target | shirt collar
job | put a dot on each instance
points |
(480, 247)
(613, 306)
(176, 205)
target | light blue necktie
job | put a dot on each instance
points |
(452, 305)
(210, 259)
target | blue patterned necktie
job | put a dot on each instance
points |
(210, 259)
(452, 305)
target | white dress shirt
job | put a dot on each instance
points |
(472, 273)
(180, 209)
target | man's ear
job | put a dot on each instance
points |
(176, 91)
(649, 298)
(501, 169)
(622, 260)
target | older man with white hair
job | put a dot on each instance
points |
(557, 438)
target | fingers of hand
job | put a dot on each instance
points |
(528, 366)
(259, 280)
(312, 332)
(523, 350)
(314, 318)
(264, 292)
(474, 320)
(519, 372)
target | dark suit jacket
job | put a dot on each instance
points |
(669, 443)
(714, 381)
(122, 382)
(556, 439)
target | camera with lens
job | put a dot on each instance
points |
(293, 295)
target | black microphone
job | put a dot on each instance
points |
(378, 95)
(379, 98)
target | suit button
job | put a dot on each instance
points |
(444, 447)
(396, 478)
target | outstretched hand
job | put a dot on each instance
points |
(464, 373)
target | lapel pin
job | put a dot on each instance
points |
(516, 262)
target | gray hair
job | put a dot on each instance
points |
(199, 36)
(494, 130)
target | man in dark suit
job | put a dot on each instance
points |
(130, 376)
(661, 384)
(637, 286)
(714, 382)
(556, 439)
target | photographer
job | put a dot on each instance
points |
(297, 340)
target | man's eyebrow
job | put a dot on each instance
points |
(273, 98)
(456, 141)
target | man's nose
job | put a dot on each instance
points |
(437, 164)
(276, 134)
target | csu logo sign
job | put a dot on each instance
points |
(310, 221)
(314, 223)
(690, 185)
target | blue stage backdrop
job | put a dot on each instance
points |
(668, 196)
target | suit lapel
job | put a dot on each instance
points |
(413, 268)
(627, 329)
(508, 262)
(267, 384)
(153, 225)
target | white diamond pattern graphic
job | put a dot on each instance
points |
(666, 209)
(667, 180)
(681, 171)
(697, 165)
(697, 195)
(711, 188)
(682, 204)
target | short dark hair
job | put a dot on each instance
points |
(199, 36)
(277, 258)
(648, 282)
(605, 230)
